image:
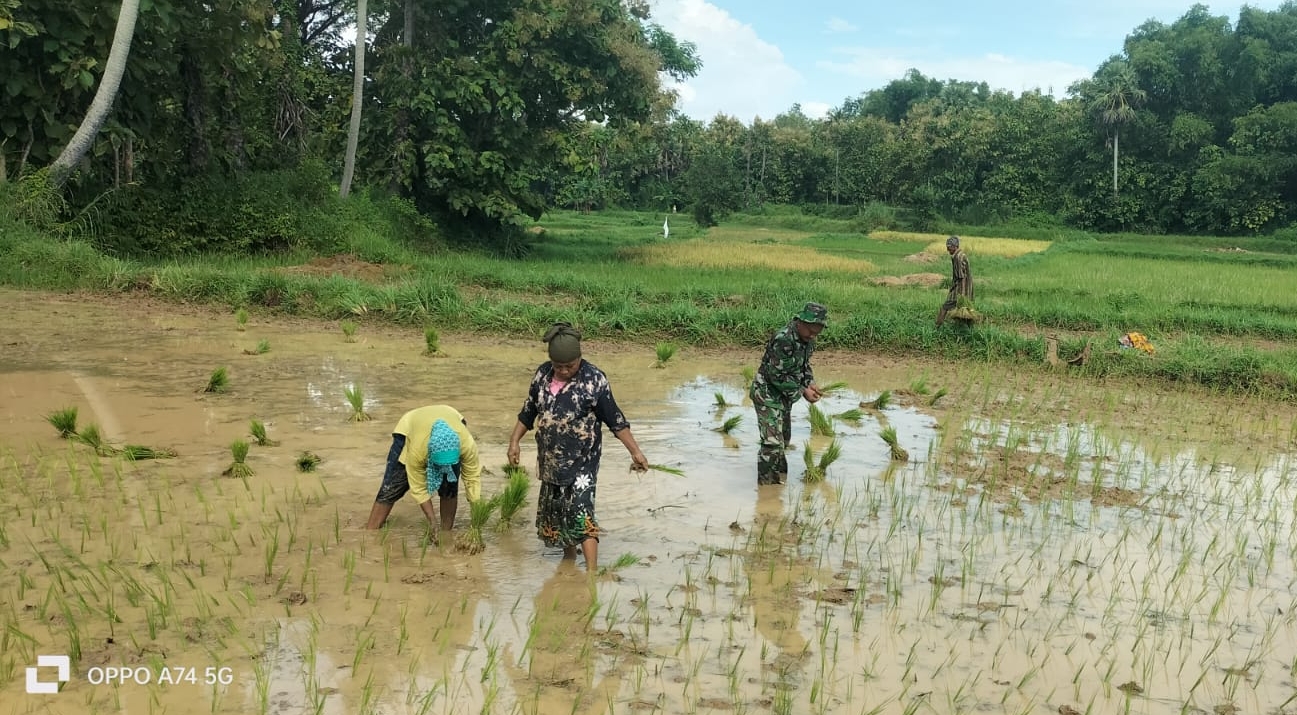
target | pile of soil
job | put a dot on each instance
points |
(925, 280)
(347, 265)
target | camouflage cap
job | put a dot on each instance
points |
(813, 313)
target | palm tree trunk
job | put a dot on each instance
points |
(357, 96)
(102, 104)
(1116, 141)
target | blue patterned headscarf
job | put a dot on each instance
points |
(443, 455)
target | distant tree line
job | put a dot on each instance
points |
(482, 113)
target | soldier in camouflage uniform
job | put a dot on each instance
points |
(784, 376)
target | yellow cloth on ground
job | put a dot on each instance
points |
(416, 425)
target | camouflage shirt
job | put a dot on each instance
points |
(786, 366)
(569, 425)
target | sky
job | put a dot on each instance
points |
(760, 57)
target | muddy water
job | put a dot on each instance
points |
(1052, 542)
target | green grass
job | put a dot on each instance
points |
(1208, 312)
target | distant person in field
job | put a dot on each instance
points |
(784, 377)
(568, 404)
(961, 279)
(432, 451)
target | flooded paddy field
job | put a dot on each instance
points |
(1052, 544)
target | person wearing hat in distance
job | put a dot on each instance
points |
(432, 451)
(568, 403)
(961, 279)
(784, 377)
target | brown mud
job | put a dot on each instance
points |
(1053, 544)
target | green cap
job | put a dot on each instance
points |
(813, 313)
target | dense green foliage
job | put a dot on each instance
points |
(483, 114)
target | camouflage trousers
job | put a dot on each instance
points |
(775, 426)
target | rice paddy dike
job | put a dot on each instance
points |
(1050, 542)
(1219, 312)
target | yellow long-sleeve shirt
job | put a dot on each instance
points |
(415, 426)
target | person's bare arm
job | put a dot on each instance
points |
(515, 443)
(638, 460)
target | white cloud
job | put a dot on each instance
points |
(742, 75)
(816, 110)
(875, 67)
(837, 24)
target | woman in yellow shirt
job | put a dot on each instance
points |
(432, 450)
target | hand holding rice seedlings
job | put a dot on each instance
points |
(239, 468)
(479, 512)
(218, 382)
(940, 393)
(356, 398)
(349, 331)
(514, 496)
(665, 351)
(898, 454)
(258, 431)
(729, 425)
(65, 421)
(263, 347)
(431, 341)
(241, 318)
(308, 461)
(832, 387)
(820, 422)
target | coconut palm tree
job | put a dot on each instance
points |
(357, 95)
(1118, 94)
(102, 104)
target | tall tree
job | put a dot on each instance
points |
(357, 100)
(102, 104)
(1114, 94)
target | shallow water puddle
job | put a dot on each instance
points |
(1051, 545)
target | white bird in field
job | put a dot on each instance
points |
(666, 230)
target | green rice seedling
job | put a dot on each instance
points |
(879, 403)
(730, 424)
(258, 430)
(431, 341)
(479, 512)
(669, 470)
(241, 318)
(898, 454)
(219, 381)
(919, 385)
(90, 436)
(851, 416)
(833, 387)
(349, 331)
(135, 452)
(749, 374)
(625, 560)
(721, 403)
(665, 351)
(821, 424)
(514, 495)
(65, 421)
(830, 455)
(940, 393)
(239, 468)
(263, 347)
(308, 461)
(813, 473)
(356, 397)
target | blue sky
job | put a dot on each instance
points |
(762, 56)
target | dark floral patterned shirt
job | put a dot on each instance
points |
(569, 425)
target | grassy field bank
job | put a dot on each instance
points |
(1219, 312)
